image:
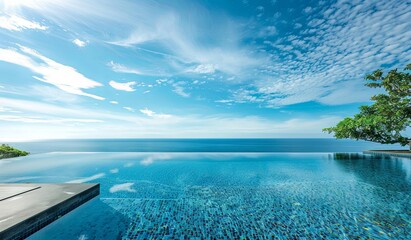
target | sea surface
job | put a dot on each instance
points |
(201, 145)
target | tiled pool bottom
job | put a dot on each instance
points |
(234, 196)
(283, 211)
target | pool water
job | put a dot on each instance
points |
(227, 195)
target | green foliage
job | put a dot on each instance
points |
(386, 119)
(8, 152)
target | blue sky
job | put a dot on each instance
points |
(108, 69)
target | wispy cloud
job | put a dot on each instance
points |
(129, 109)
(268, 31)
(330, 57)
(131, 125)
(203, 68)
(51, 94)
(179, 88)
(257, 57)
(64, 111)
(15, 23)
(179, 38)
(7, 110)
(79, 42)
(323, 48)
(41, 119)
(156, 67)
(127, 86)
(64, 77)
(179, 46)
(153, 114)
(116, 67)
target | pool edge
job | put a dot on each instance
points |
(31, 224)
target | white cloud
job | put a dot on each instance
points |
(153, 114)
(147, 112)
(124, 187)
(125, 125)
(41, 119)
(268, 31)
(64, 77)
(296, 68)
(260, 8)
(79, 42)
(15, 23)
(127, 86)
(162, 81)
(129, 109)
(227, 101)
(177, 43)
(50, 94)
(179, 88)
(308, 9)
(181, 91)
(116, 67)
(41, 108)
(8, 110)
(158, 65)
(64, 111)
(180, 39)
(113, 102)
(338, 93)
(330, 57)
(298, 26)
(203, 69)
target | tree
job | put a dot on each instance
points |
(8, 152)
(388, 117)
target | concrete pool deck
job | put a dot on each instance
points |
(26, 208)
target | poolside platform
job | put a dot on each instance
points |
(26, 208)
(390, 153)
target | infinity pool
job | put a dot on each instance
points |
(227, 195)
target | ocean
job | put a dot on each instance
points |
(201, 145)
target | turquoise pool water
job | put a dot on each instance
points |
(227, 195)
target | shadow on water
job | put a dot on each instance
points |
(383, 171)
(87, 222)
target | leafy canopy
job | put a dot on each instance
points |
(8, 152)
(387, 118)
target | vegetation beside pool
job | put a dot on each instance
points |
(388, 118)
(9, 152)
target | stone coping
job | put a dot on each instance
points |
(26, 208)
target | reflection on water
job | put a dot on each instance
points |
(94, 219)
(383, 171)
(357, 156)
